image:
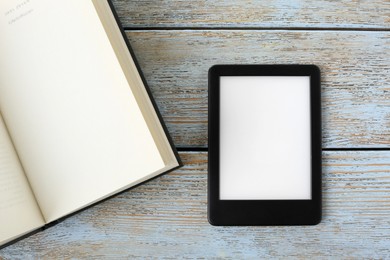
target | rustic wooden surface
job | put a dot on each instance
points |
(257, 13)
(176, 41)
(355, 76)
(166, 217)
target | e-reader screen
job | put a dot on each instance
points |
(264, 154)
(265, 138)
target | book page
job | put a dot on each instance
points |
(129, 68)
(69, 109)
(19, 213)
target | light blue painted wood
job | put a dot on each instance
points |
(167, 218)
(355, 76)
(254, 14)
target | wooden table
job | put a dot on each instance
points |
(176, 41)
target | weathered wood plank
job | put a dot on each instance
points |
(243, 13)
(355, 77)
(166, 217)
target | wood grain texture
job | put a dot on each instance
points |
(244, 13)
(355, 76)
(166, 218)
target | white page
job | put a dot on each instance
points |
(265, 149)
(74, 121)
(19, 213)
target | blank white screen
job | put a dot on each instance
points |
(265, 149)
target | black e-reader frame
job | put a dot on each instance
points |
(238, 212)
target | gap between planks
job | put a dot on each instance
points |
(207, 28)
(205, 149)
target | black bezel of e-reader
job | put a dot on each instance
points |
(263, 212)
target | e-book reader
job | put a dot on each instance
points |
(264, 145)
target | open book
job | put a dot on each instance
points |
(77, 121)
